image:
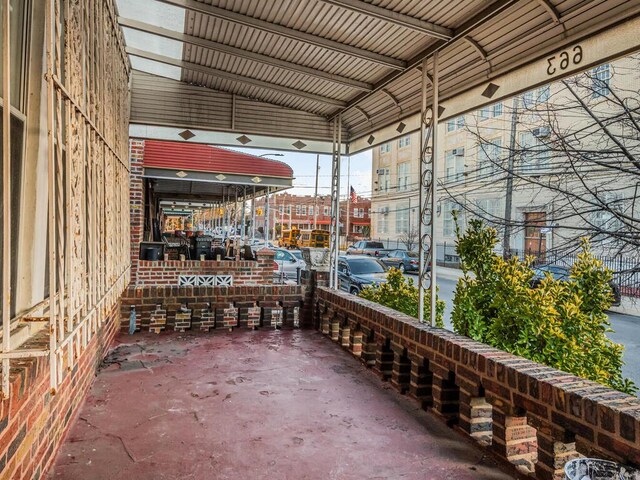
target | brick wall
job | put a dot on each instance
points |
(244, 272)
(534, 416)
(136, 196)
(33, 421)
(159, 308)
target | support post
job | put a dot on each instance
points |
(253, 215)
(434, 185)
(6, 197)
(244, 211)
(335, 198)
(266, 218)
(315, 197)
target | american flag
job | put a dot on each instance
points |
(352, 196)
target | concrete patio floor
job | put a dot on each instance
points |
(253, 405)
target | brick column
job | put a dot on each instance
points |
(384, 359)
(368, 355)
(421, 381)
(514, 440)
(554, 452)
(355, 341)
(344, 333)
(446, 395)
(136, 202)
(401, 369)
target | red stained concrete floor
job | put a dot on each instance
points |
(253, 405)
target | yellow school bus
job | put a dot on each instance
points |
(314, 239)
(289, 238)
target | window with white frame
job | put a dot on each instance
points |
(489, 157)
(326, 211)
(534, 153)
(403, 176)
(310, 210)
(298, 210)
(491, 111)
(303, 209)
(607, 219)
(383, 222)
(402, 218)
(448, 223)
(385, 148)
(280, 209)
(404, 141)
(600, 80)
(288, 211)
(454, 165)
(384, 179)
(490, 208)
(534, 97)
(358, 228)
(455, 124)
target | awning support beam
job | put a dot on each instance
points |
(406, 21)
(233, 77)
(241, 53)
(287, 32)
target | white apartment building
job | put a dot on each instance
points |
(473, 161)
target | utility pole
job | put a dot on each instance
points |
(315, 198)
(506, 240)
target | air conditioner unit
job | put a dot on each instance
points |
(384, 210)
(458, 152)
(380, 171)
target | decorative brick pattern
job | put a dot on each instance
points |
(183, 320)
(230, 317)
(158, 319)
(253, 304)
(532, 415)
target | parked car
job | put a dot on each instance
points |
(287, 262)
(367, 247)
(561, 273)
(357, 272)
(402, 260)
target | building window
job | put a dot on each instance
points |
(288, 212)
(297, 210)
(385, 148)
(600, 79)
(489, 209)
(384, 179)
(404, 141)
(607, 219)
(358, 229)
(17, 31)
(403, 176)
(448, 224)
(491, 111)
(383, 221)
(402, 218)
(326, 211)
(311, 210)
(455, 124)
(369, 213)
(537, 96)
(280, 209)
(489, 157)
(303, 210)
(454, 165)
(534, 155)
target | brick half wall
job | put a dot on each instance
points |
(33, 420)
(534, 416)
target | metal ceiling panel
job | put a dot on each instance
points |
(378, 43)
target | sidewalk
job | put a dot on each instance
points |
(629, 305)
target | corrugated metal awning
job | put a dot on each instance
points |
(283, 69)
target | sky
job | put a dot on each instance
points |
(304, 166)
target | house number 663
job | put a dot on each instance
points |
(562, 61)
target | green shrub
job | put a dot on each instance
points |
(401, 294)
(562, 324)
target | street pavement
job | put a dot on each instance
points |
(626, 328)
